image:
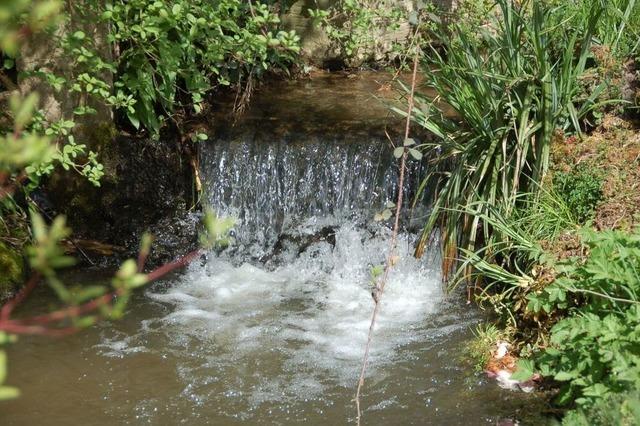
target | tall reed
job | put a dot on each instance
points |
(512, 92)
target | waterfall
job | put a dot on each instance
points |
(272, 183)
(281, 317)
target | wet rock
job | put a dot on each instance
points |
(299, 243)
(147, 186)
(173, 236)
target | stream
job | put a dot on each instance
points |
(272, 330)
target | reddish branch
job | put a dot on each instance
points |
(379, 290)
(46, 324)
(5, 313)
(176, 264)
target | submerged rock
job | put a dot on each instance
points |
(296, 244)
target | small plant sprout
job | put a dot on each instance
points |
(216, 231)
(375, 273)
(386, 213)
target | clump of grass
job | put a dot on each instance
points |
(582, 190)
(512, 92)
(515, 260)
(486, 338)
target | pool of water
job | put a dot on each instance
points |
(227, 342)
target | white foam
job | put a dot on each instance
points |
(314, 312)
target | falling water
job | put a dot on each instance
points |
(274, 185)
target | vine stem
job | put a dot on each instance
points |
(379, 290)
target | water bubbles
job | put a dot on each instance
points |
(277, 335)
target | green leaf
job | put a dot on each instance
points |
(23, 109)
(398, 152)
(564, 376)
(417, 155)
(134, 120)
(524, 370)
(3, 366)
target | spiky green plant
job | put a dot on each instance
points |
(511, 91)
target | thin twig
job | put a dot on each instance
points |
(7, 82)
(379, 290)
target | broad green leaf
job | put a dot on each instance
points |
(524, 370)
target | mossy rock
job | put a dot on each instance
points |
(11, 270)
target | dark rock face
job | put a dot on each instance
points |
(147, 187)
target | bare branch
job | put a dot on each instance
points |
(379, 289)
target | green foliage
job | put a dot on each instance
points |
(511, 91)
(375, 273)
(358, 21)
(616, 409)
(386, 213)
(15, 15)
(20, 149)
(595, 350)
(29, 145)
(38, 156)
(595, 355)
(361, 29)
(523, 81)
(46, 255)
(610, 275)
(6, 392)
(618, 27)
(175, 50)
(512, 263)
(582, 190)
(504, 267)
(473, 14)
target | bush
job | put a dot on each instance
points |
(582, 190)
(511, 91)
(594, 351)
(175, 51)
(619, 409)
